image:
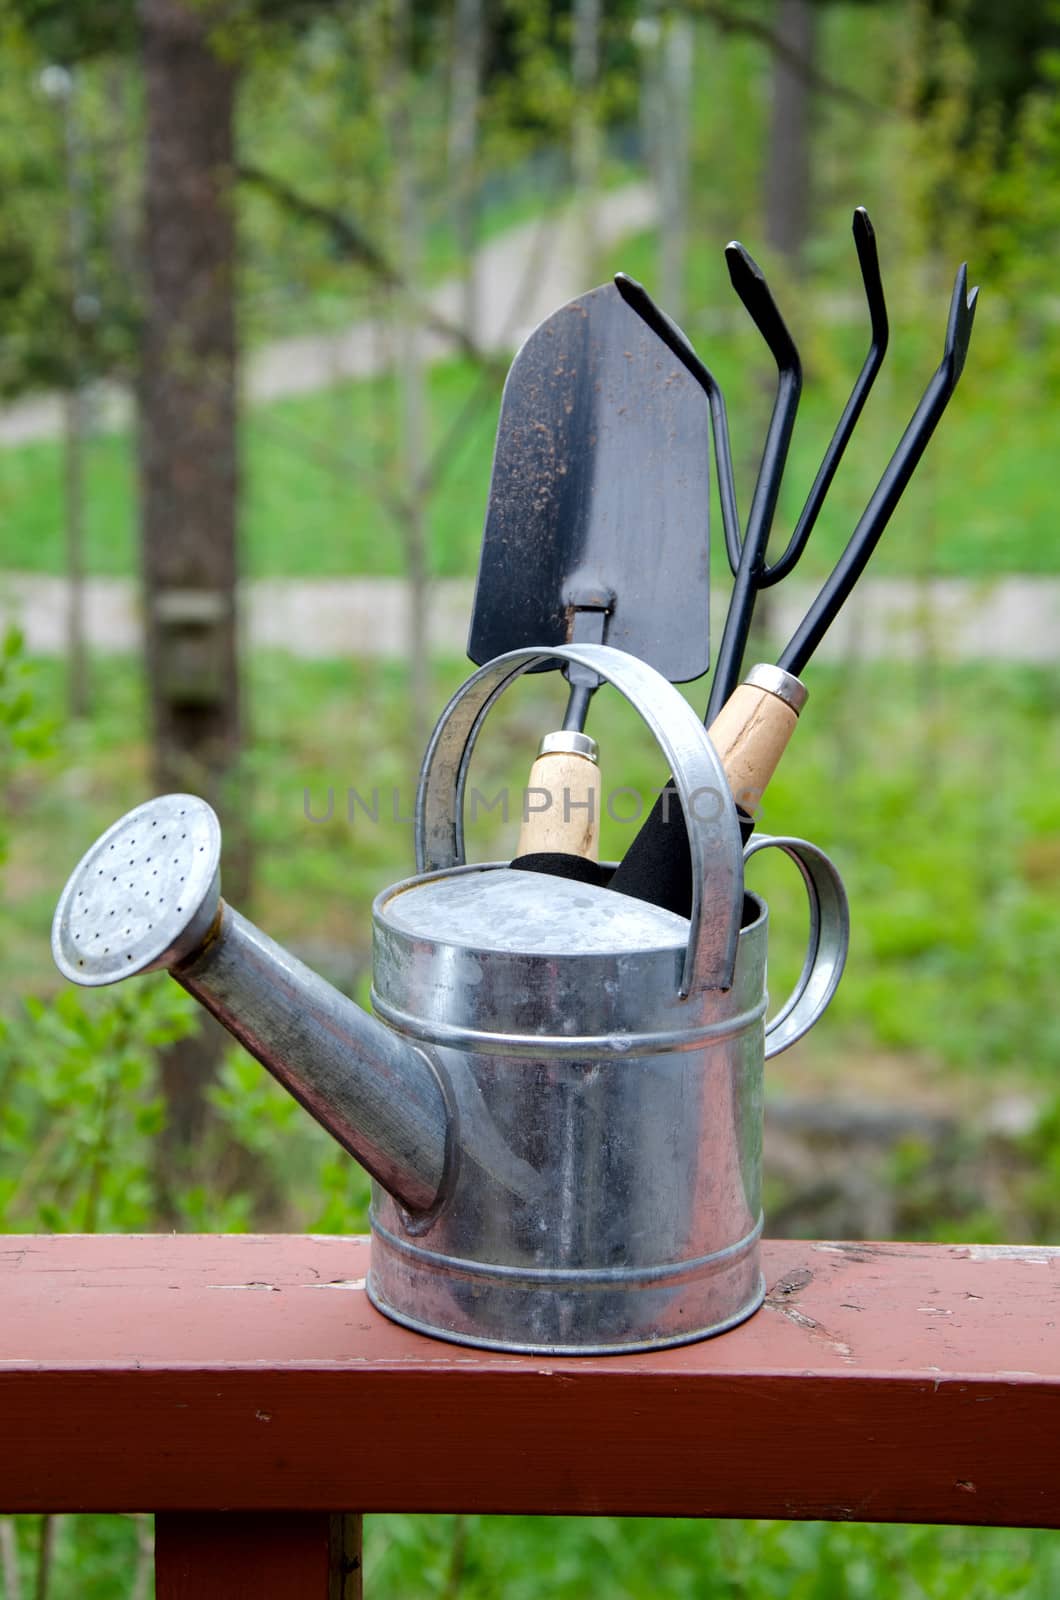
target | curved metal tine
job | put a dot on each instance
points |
(869, 261)
(892, 485)
(749, 282)
(639, 300)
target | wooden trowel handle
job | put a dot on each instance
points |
(561, 805)
(752, 729)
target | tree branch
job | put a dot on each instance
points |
(345, 234)
(728, 20)
(353, 243)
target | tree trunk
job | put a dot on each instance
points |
(787, 180)
(667, 89)
(787, 202)
(188, 468)
(75, 429)
(74, 439)
(585, 152)
(465, 86)
(411, 375)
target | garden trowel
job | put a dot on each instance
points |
(596, 531)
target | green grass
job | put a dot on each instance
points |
(320, 478)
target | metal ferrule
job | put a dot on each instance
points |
(567, 742)
(785, 685)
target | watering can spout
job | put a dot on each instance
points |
(147, 897)
(373, 1091)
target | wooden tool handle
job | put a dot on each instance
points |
(752, 729)
(561, 803)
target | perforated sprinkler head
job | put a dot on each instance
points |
(144, 896)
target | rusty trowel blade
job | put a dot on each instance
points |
(599, 495)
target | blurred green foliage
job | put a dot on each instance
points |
(625, 1558)
(79, 1108)
(639, 1558)
(26, 733)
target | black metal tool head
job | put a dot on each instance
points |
(598, 513)
(891, 487)
(959, 326)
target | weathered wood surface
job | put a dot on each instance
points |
(880, 1382)
(245, 1555)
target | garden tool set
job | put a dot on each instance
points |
(559, 1095)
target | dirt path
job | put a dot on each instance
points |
(1007, 619)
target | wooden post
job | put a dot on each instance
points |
(309, 1555)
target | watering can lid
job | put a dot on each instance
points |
(499, 908)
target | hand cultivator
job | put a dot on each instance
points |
(750, 723)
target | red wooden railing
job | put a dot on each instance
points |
(244, 1390)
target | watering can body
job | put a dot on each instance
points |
(559, 1095)
(602, 1186)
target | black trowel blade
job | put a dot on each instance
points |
(599, 495)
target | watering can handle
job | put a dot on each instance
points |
(826, 951)
(709, 812)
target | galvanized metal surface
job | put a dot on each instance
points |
(826, 947)
(372, 1090)
(604, 1188)
(607, 1075)
(147, 896)
(144, 895)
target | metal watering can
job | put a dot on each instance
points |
(560, 1096)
